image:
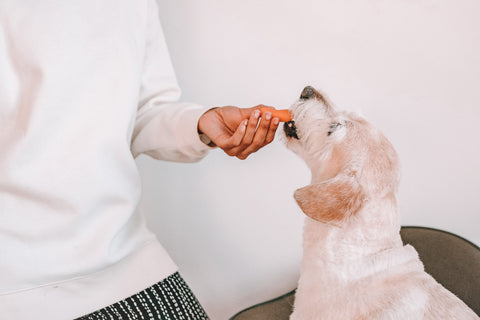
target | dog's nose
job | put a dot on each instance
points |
(307, 93)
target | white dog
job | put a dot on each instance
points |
(354, 263)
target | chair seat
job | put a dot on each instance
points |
(452, 260)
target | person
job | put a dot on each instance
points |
(85, 87)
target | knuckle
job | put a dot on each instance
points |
(246, 142)
(223, 145)
(252, 123)
(268, 140)
(257, 143)
(232, 144)
(265, 125)
(230, 152)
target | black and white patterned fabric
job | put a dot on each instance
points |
(168, 299)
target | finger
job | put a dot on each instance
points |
(271, 131)
(239, 134)
(260, 135)
(251, 128)
(236, 139)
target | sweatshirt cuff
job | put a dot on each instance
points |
(199, 142)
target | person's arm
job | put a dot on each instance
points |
(164, 128)
(168, 130)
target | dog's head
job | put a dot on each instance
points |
(352, 163)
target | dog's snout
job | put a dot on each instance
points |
(307, 93)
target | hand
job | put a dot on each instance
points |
(238, 131)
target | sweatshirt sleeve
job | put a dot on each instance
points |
(164, 128)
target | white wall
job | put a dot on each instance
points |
(412, 67)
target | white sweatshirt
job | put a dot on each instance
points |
(85, 86)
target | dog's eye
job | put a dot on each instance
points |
(334, 126)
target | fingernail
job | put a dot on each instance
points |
(268, 115)
(275, 121)
(256, 114)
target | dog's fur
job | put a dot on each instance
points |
(354, 263)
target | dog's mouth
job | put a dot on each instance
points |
(290, 129)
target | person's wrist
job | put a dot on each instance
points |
(202, 119)
(204, 137)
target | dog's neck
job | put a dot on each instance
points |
(357, 239)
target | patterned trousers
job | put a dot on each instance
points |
(168, 299)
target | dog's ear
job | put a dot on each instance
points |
(331, 201)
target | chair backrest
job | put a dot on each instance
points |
(452, 260)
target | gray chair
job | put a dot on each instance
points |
(452, 260)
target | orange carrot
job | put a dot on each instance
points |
(283, 115)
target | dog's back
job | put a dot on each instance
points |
(388, 285)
